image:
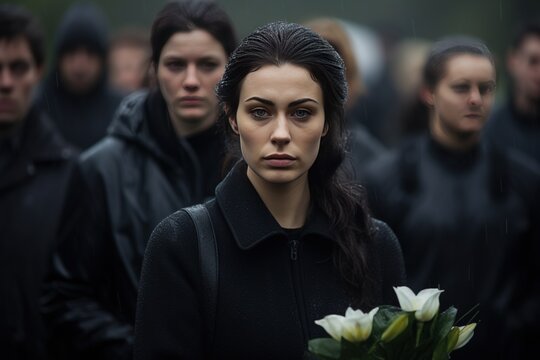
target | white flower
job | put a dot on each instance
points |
(465, 335)
(425, 304)
(355, 326)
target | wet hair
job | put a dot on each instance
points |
(523, 32)
(18, 22)
(283, 43)
(442, 51)
(186, 16)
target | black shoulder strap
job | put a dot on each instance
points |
(208, 260)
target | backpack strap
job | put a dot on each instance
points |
(208, 261)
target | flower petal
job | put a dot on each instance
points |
(430, 305)
(465, 335)
(406, 298)
(333, 325)
(353, 313)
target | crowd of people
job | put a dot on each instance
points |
(183, 194)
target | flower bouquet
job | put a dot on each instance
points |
(415, 331)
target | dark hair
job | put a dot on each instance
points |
(524, 31)
(445, 49)
(16, 22)
(279, 43)
(186, 16)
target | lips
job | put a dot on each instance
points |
(191, 100)
(279, 160)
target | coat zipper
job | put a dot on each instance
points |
(297, 286)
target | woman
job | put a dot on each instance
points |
(465, 213)
(294, 240)
(163, 153)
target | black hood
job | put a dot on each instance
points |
(83, 25)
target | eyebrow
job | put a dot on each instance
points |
(270, 103)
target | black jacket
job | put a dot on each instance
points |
(122, 188)
(469, 224)
(33, 179)
(268, 295)
(509, 129)
(82, 119)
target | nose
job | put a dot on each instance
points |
(281, 134)
(6, 79)
(475, 98)
(191, 81)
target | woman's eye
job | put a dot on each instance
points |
(461, 88)
(175, 65)
(486, 89)
(301, 114)
(208, 66)
(259, 113)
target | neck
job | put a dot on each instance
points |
(185, 128)
(288, 203)
(453, 140)
(526, 105)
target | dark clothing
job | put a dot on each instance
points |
(123, 187)
(508, 128)
(468, 223)
(363, 149)
(81, 118)
(270, 289)
(33, 178)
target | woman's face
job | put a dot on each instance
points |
(190, 66)
(463, 97)
(280, 120)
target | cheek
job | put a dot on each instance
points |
(167, 84)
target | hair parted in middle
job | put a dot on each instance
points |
(281, 43)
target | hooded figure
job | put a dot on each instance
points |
(76, 94)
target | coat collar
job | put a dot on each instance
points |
(39, 143)
(248, 217)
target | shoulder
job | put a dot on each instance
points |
(385, 240)
(174, 237)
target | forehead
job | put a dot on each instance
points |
(531, 44)
(15, 49)
(286, 82)
(196, 43)
(469, 67)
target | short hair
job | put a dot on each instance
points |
(186, 16)
(443, 50)
(19, 22)
(132, 37)
(524, 31)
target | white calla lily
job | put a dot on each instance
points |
(465, 335)
(355, 326)
(425, 305)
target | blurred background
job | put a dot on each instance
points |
(393, 20)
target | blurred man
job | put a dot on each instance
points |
(34, 166)
(517, 123)
(129, 60)
(76, 94)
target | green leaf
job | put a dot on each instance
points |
(443, 323)
(325, 348)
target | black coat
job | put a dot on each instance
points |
(32, 189)
(268, 299)
(469, 224)
(122, 188)
(509, 129)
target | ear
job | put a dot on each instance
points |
(325, 129)
(233, 124)
(426, 94)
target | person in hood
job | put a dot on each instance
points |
(76, 94)
(467, 214)
(35, 165)
(162, 153)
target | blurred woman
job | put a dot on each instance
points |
(294, 240)
(465, 213)
(162, 153)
